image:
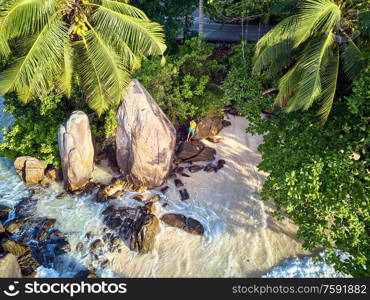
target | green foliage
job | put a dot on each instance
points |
(240, 84)
(169, 13)
(306, 52)
(319, 175)
(59, 42)
(186, 86)
(34, 131)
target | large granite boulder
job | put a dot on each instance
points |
(76, 151)
(9, 267)
(209, 127)
(30, 169)
(193, 151)
(145, 139)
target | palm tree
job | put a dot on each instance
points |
(95, 42)
(309, 49)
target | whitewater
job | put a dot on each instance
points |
(241, 239)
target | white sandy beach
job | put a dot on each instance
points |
(242, 239)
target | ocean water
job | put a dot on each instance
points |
(220, 253)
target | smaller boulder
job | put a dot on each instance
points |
(30, 169)
(9, 267)
(193, 151)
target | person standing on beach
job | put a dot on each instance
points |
(191, 131)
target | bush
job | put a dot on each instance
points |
(186, 86)
(34, 131)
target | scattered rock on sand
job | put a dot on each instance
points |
(30, 169)
(195, 151)
(178, 183)
(190, 225)
(210, 126)
(145, 138)
(195, 168)
(164, 189)
(76, 151)
(184, 195)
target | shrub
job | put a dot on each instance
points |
(186, 86)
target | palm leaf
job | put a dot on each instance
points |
(329, 86)
(141, 36)
(40, 67)
(124, 8)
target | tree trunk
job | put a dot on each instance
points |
(201, 18)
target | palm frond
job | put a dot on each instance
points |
(288, 85)
(124, 8)
(329, 86)
(65, 82)
(364, 19)
(317, 16)
(351, 57)
(141, 36)
(309, 88)
(275, 57)
(102, 76)
(45, 54)
(24, 17)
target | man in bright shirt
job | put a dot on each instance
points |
(191, 131)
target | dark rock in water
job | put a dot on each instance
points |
(185, 175)
(55, 233)
(2, 229)
(79, 246)
(62, 247)
(210, 126)
(164, 189)
(108, 210)
(61, 195)
(84, 274)
(195, 168)
(9, 267)
(174, 220)
(178, 183)
(89, 235)
(139, 198)
(145, 138)
(27, 206)
(104, 264)
(194, 227)
(96, 245)
(144, 237)
(155, 198)
(184, 195)
(14, 225)
(137, 226)
(195, 151)
(164, 204)
(189, 225)
(4, 212)
(30, 169)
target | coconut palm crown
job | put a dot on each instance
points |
(309, 49)
(95, 42)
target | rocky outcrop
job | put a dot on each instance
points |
(210, 127)
(137, 226)
(30, 169)
(190, 225)
(4, 212)
(145, 138)
(193, 151)
(76, 151)
(9, 267)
